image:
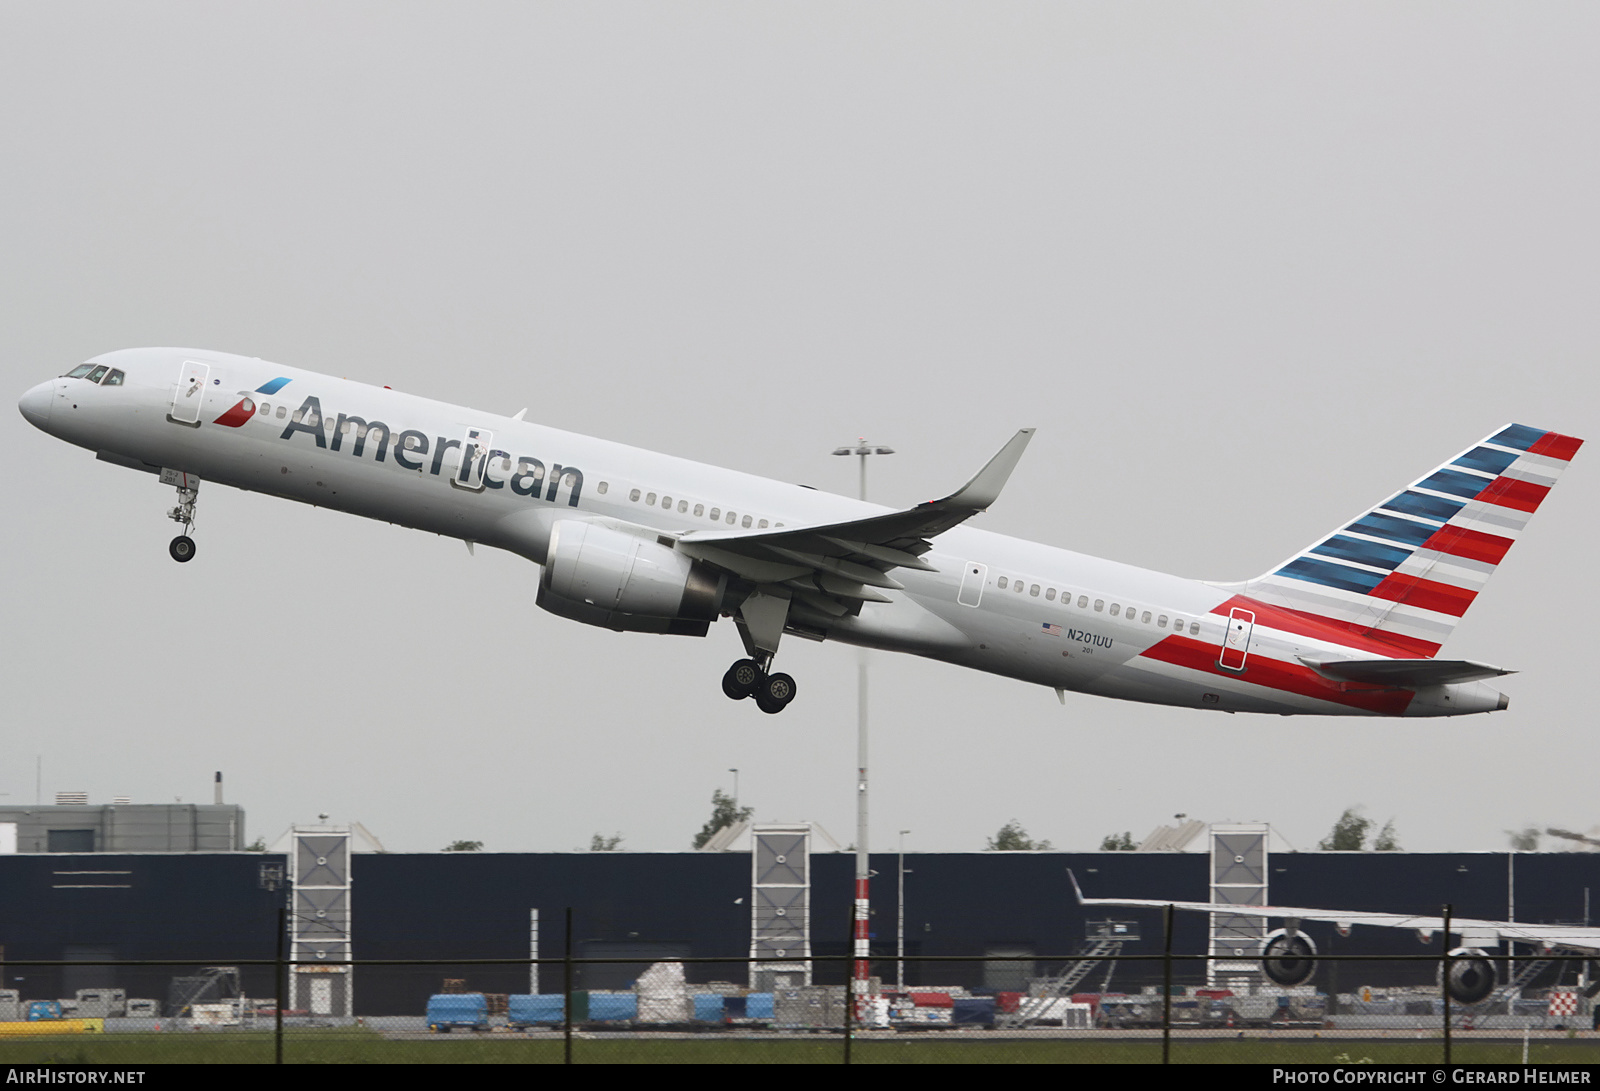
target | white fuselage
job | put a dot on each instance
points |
(1035, 613)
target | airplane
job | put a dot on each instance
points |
(636, 541)
(1288, 955)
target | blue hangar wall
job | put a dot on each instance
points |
(1015, 908)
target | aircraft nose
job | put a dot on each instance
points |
(35, 405)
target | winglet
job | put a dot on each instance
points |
(983, 490)
(1077, 891)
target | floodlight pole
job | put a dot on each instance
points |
(861, 973)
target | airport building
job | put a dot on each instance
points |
(1013, 914)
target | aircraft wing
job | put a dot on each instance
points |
(836, 566)
(1570, 937)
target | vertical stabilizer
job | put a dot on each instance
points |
(1405, 571)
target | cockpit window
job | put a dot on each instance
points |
(113, 378)
(80, 371)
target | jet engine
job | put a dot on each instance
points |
(1288, 958)
(1471, 976)
(605, 576)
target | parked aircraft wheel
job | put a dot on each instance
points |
(775, 693)
(182, 548)
(742, 679)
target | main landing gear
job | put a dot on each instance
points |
(748, 678)
(182, 547)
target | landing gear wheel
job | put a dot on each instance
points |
(775, 693)
(182, 549)
(741, 679)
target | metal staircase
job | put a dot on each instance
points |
(1105, 940)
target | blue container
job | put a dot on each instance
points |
(449, 1010)
(613, 1007)
(758, 1006)
(973, 1011)
(708, 1007)
(526, 1009)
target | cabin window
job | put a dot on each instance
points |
(411, 441)
(699, 510)
(1146, 618)
(1003, 583)
(1161, 622)
(603, 487)
(1099, 605)
(98, 373)
(650, 498)
(716, 514)
(281, 411)
(345, 428)
(113, 378)
(683, 506)
(1034, 590)
(1083, 602)
(1050, 595)
(745, 522)
(1017, 586)
(1194, 628)
(762, 524)
(732, 518)
(634, 495)
(80, 371)
(666, 502)
(1114, 609)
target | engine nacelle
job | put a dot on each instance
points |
(1471, 976)
(1288, 959)
(602, 576)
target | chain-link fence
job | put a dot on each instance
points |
(1509, 1009)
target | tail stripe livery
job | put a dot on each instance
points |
(1405, 571)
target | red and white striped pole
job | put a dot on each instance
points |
(860, 975)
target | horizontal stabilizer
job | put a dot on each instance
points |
(1407, 673)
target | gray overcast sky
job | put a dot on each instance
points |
(1247, 267)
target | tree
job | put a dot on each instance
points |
(464, 846)
(1118, 842)
(599, 843)
(1349, 834)
(1525, 839)
(725, 811)
(1387, 840)
(1013, 838)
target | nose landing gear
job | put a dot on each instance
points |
(188, 486)
(748, 678)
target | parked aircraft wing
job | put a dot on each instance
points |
(1571, 937)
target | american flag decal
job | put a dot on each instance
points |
(1051, 629)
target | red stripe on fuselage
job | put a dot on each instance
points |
(1508, 492)
(1378, 642)
(1471, 544)
(1182, 651)
(236, 416)
(1443, 598)
(1555, 445)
